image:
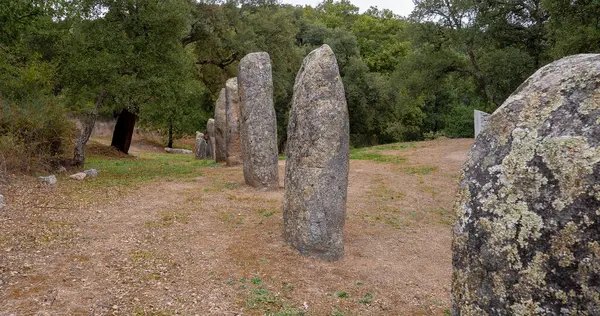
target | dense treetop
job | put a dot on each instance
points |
(406, 78)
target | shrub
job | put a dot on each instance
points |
(34, 136)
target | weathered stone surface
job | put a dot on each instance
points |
(527, 238)
(51, 179)
(316, 173)
(78, 176)
(178, 151)
(92, 173)
(234, 143)
(210, 130)
(258, 124)
(221, 127)
(201, 145)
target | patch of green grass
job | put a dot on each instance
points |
(394, 146)
(366, 299)
(421, 170)
(145, 168)
(368, 154)
(342, 294)
(262, 298)
(256, 280)
(265, 213)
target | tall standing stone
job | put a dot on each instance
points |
(234, 143)
(258, 123)
(221, 127)
(316, 172)
(201, 145)
(527, 238)
(210, 130)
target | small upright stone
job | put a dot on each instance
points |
(200, 148)
(210, 130)
(234, 144)
(316, 171)
(258, 124)
(221, 127)
(527, 237)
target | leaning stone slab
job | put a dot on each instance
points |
(78, 176)
(221, 127)
(51, 179)
(258, 124)
(200, 149)
(316, 173)
(210, 130)
(234, 143)
(178, 151)
(527, 238)
(480, 120)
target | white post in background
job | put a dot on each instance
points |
(480, 121)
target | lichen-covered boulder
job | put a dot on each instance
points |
(527, 238)
(210, 130)
(258, 124)
(221, 127)
(316, 171)
(234, 142)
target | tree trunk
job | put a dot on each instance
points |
(87, 123)
(170, 142)
(124, 131)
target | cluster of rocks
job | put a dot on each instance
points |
(244, 130)
(91, 173)
(51, 179)
(527, 238)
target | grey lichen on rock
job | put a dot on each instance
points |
(221, 127)
(316, 173)
(258, 124)
(526, 241)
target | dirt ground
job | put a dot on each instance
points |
(210, 245)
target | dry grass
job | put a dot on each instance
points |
(208, 244)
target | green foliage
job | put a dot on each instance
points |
(33, 136)
(166, 61)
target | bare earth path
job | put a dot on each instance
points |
(211, 245)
